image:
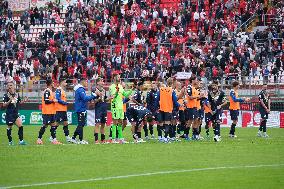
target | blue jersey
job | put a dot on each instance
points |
(101, 104)
(81, 99)
(137, 113)
(13, 107)
(151, 100)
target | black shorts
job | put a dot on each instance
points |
(234, 114)
(175, 115)
(131, 118)
(217, 115)
(11, 118)
(208, 117)
(48, 119)
(101, 116)
(263, 113)
(200, 114)
(82, 118)
(191, 113)
(61, 116)
(181, 114)
(153, 118)
(164, 116)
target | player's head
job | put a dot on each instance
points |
(49, 83)
(100, 81)
(153, 86)
(264, 87)
(63, 81)
(11, 87)
(170, 82)
(139, 85)
(116, 78)
(236, 84)
(178, 85)
(193, 80)
(83, 82)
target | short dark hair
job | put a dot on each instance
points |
(235, 83)
(48, 81)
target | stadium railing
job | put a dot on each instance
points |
(250, 86)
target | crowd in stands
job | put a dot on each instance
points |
(141, 39)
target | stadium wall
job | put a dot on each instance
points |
(246, 118)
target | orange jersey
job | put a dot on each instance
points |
(234, 105)
(49, 106)
(206, 108)
(181, 102)
(59, 106)
(191, 91)
(198, 105)
(166, 99)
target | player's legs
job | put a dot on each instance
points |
(159, 126)
(234, 117)
(19, 124)
(263, 121)
(10, 120)
(216, 125)
(182, 122)
(79, 129)
(9, 134)
(53, 128)
(46, 122)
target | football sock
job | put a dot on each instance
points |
(103, 137)
(119, 129)
(81, 133)
(145, 130)
(41, 132)
(233, 128)
(264, 126)
(21, 133)
(186, 131)
(151, 129)
(53, 131)
(199, 129)
(76, 133)
(167, 129)
(159, 129)
(66, 130)
(113, 129)
(139, 135)
(174, 130)
(9, 134)
(110, 132)
(217, 129)
(96, 136)
(261, 125)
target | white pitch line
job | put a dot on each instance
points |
(140, 175)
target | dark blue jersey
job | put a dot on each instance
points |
(216, 99)
(13, 107)
(264, 97)
(137, 113)
(138, 96)
(101, 104)
(151, 100)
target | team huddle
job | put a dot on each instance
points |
(174, 109)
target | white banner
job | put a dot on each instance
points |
(19, 5)
(183, 75)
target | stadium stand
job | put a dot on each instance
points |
(214, 39)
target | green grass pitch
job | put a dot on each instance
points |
(232, 163)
